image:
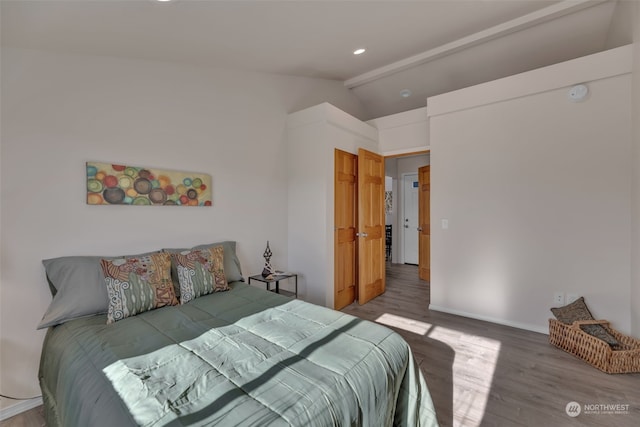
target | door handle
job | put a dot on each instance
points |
(419, 228)
(361, 235)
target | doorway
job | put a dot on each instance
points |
(410, 189)
(410, 258)
(397, 168)
(361, 208)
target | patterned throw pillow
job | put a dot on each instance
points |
(200, 272)
(137, 284)
(578, 310)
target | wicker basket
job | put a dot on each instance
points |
(572, 339)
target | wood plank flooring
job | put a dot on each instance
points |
(31, 418)
(480, 373)
(483, 374)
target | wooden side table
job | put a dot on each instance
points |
(276, 279)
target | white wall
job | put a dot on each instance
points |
(313, 135)
(59, 111)
(536, 190)
(635, 211)
(403, 133)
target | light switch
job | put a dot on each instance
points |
(445, 224)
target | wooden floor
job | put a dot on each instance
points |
(483, 374)
(31, 418)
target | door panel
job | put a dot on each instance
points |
(424, 215)
(345, 247)
(371, 221)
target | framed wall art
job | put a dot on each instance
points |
(111, 184)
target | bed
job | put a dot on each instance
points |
(243, 357)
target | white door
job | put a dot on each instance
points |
(410, 220)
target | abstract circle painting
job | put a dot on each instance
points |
(111, 184)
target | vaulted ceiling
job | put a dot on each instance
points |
(428, 47)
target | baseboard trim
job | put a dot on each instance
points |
(20, 407)
(525, 326)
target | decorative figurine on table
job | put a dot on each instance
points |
(268, 271)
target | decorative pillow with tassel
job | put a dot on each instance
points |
(137, 284)
(200, 272)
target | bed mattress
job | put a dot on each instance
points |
(245, 357)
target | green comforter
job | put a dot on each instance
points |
(245, 357)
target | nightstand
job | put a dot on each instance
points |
(276, 279)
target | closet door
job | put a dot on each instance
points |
(424, 226)
(345, 247)
(371, 226)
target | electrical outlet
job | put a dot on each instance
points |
(571, 298)
(558, 298)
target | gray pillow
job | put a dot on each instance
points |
(232, 270)
(78, 288)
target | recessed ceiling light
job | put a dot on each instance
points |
(163, 0)
(405, 93)
(359, 51)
